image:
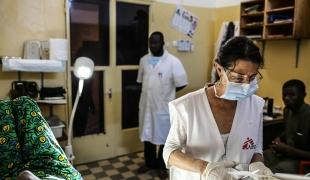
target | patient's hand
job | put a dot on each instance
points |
(27, 175)
(282, 148)
(277, 140)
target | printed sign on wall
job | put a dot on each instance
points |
(184, 21)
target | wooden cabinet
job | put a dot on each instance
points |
(252, 18)
(275, 19)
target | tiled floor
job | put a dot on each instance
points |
(122, 167)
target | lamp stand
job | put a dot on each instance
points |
(68, 148)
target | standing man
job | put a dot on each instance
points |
(161, 75)
(293, 144)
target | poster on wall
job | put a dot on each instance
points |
(184, 21)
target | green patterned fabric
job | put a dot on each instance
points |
(10, 155)
(27, 143)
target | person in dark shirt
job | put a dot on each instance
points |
(293, 144)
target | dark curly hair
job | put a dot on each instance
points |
(298, 84)
(236, 48)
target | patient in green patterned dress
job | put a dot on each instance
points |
(28, 148)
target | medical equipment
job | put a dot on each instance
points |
(83, 69)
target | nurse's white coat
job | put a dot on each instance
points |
(158, 89)
(195, 132)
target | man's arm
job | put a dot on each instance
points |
(179, 75)
(300, 153)
(290, 151)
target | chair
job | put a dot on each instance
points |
(302, 165)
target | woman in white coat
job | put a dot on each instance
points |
(219, 127)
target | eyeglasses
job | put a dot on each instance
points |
(243, 78)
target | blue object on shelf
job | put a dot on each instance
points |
(275, 17)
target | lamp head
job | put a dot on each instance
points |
(83, 68)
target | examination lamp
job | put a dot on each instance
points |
(83, 69)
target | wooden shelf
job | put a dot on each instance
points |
(274, 37)
(253, 14)
(280, 24)
(284, 9)
(252, 26)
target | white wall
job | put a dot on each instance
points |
(204, 3)
(225, 3)
(196, 3)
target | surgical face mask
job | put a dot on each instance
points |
(253, 87)
(153, 60)
(238, 91)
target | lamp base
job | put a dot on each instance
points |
(69, 153)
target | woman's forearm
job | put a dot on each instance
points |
(179, 159)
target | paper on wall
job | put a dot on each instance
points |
(184, 21)
(58, 49)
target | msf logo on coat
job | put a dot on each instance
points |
(248, 144)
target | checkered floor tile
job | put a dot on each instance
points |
(122, 167)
